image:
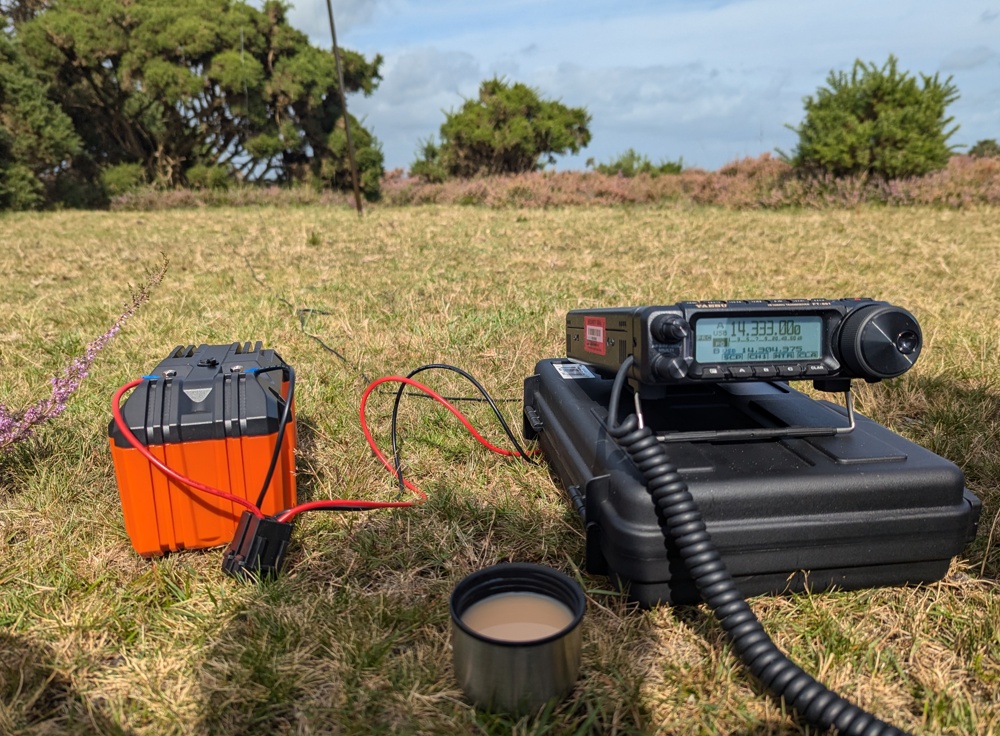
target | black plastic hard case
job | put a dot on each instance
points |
(864, 509)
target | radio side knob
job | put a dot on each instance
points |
(669, 328)
(665, 368)
(879, 341)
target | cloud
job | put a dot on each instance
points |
(352, 13)
(711, 81)
(349, 15)
(706, 113)
(422, 73)
(408, 106)
(967, 58)
(638, 98)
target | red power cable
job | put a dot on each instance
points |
(440, 399)
(342, 503)
(421, 496)
(155, 462)
(332, 504)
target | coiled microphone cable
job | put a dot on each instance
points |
(682, 520)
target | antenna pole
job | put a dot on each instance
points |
(343, 107)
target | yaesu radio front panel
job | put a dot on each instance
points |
(761, 340)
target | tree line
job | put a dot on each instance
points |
(100, 96)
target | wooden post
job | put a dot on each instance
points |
(343, 107)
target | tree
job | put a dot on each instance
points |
(13, 12)
(37, 141)
(987, 148)
(876, 121)
(508, 129)
(178, 84)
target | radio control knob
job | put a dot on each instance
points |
(665, 368)
(879, 341)
(670, 328)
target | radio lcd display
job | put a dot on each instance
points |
(758, 339)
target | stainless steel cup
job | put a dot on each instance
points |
(516, 676)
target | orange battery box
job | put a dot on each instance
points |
(211, 413)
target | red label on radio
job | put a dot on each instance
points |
(593, 335)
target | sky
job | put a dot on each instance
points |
(707, 82)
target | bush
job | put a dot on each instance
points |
(123, 178)
(201, 176)
(988, 148)
(631, 163)
(428, 166)
(876, 121)
(19, 188)
(508, 129)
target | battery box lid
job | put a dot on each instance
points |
(206, 392)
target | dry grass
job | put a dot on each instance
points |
(353, 639)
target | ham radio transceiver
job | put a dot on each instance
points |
(796, 492)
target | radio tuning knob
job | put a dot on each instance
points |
(669, 328)
(880, 341)
(665, 368)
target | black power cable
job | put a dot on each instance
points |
(682, 520)
(397, 460)
(286, 414)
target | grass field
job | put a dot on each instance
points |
(353, 638)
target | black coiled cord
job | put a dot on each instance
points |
(676, 508)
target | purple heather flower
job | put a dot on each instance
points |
(15, 427)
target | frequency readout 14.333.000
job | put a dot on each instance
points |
(755, 339)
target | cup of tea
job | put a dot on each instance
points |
(515, 632)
